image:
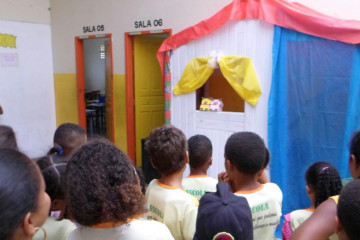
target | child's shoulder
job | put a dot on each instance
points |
(151, 227)
(267, 190)
(300, 213)
(273, 191)
(173, 194)
(272, 187)
(199, 178)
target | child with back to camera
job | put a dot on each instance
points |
(200, 159)
(348, 217)
(53, 174)
(322, 223)
(67, 138)
(223, 216)
(104, 196)
(167, 201)
(245, 155)
(322, 182)
(24, 204)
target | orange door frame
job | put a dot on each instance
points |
(79, 51)
(130, 97)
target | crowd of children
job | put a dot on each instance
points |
(84, 190)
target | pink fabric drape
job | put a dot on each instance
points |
(278, 12)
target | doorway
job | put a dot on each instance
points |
(144, 88)
(95, 85)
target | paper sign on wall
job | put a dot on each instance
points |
(9, 59)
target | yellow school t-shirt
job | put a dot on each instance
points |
(265, 204)
(174, 207)
(198, 185)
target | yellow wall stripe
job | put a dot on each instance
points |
(65, 98)
(120, 112)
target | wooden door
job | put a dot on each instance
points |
(149, 98)
(109, 106)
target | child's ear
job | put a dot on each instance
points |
(308, 189)
(353, 166)
(187, 157)
(260, 173)
(353, 162)
(351, 159)
(228, 165)
(210, 161)
(262, 177)
(28, 225)
(152, 164)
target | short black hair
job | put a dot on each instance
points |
(200, 150)
(247, 151)
(348, 209)
(20, 181)
(101, 185)
(355, 146)
(324, 179)
(167, 146)
(7, 137)
(69, 136)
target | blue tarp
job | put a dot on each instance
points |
(313, 109)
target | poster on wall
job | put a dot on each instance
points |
(9, 59)
(7, 40)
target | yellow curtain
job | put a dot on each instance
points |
(194, 76)
(240, 73)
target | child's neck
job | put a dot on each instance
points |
(173, 180)
(198, 171)
(244, 182)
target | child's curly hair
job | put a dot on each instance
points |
(101, 185)
(167, 146)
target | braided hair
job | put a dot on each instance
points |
(324, 179)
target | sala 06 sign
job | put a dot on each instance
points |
(148, 23)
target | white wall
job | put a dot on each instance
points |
(68, 17)
(36, 11)
(27, 90)
(94, 66)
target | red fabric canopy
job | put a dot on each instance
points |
(278, 12)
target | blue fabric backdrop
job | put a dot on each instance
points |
(313, 109)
